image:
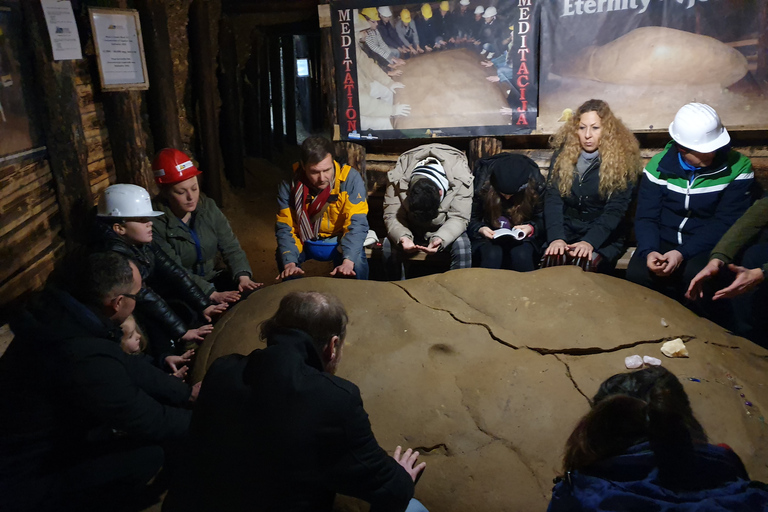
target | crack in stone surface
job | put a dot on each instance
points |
(570, 376)
(586, 351)
(509, 445)
(465, 322)
(430, 449)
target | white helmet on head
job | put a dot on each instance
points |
(489, 12)
(385, 11)
(698, 127)
(126, 201)
(464, 2)
(479, 9)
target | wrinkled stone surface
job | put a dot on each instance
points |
(487, 372)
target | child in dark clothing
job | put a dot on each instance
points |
(125, 226)
(134, 343)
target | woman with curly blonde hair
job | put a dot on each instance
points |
(591, 178)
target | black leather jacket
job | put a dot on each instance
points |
(158, 271)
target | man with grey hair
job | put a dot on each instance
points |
(276, 430)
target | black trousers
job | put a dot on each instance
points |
(114, 478)
(673, 286)
(505, 253)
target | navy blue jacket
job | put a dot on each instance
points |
(690, 211)
(630, 483)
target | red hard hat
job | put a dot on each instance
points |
(173, 166)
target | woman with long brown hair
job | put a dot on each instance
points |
(506, 224)
(594, 169)
(640, 447)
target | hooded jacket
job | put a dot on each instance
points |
(158, 271)
(690, 210)
(66, 386)
(215, 234)
(274, 432)
(630, 483)
(455, 208)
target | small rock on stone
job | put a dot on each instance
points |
(651, 361)
(664, 323)
(674, 348)
(633, 361)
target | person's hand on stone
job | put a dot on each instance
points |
(672, 260)
(486, 63)
(580, 249)
(407, 461)
(198, 334)
(396, 85)
(556, 248)
(176, 363)
(291, 269)
(214, 310)
(486, 232)
(246, 284)
(506, 111)
(402, 109)
(493, 79)
(346, 269)
(746, 279)
(225, 297)
(696, 288)
(395, 72)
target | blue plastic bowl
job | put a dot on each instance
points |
(320, 250)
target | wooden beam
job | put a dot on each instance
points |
(122, 113)
(265, 105)
(289, 74)
(205, 92)
(231, 131)
(161, 96)
(276, 90)
(482, 147)
(762, 45)
(352, 154)
(328, 79)
(67, 148)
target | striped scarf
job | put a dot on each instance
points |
(309, 215)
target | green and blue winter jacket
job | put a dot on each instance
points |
(690, 209)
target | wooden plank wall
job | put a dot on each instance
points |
(101, 168)
(30, 225)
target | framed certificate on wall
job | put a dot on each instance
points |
(119, 49)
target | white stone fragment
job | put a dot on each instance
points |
(674, 348)
(664, 323)
(633, 361)
(651, 361)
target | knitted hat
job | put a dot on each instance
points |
(426, 11)
(405, 15)
(431, 169)
(444, 6)
(511, 179)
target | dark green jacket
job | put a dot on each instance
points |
(215, 235)
(744, 232)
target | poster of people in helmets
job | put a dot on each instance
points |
(450, 68)
(505, 67)
(16, 133)
(646, 58)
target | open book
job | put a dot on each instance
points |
(515, 233)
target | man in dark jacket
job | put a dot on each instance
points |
(277, 431)
(690, 194)
(84, 425)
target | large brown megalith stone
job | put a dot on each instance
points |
(487, 372)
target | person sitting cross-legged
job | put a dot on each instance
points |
(323, 214)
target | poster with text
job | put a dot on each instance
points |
(647, 58)
(414, 70)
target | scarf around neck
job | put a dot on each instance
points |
(310, 213)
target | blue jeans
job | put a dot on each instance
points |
(415, 506)
(361, 262)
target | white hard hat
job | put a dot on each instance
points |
(479, 9)
(126, 201)
(464, 2)
(361, 24)
(385, 11)
(698, 127)
(489, 12)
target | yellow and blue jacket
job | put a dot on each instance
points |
(346, 217)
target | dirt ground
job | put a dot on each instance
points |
(448, 89)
